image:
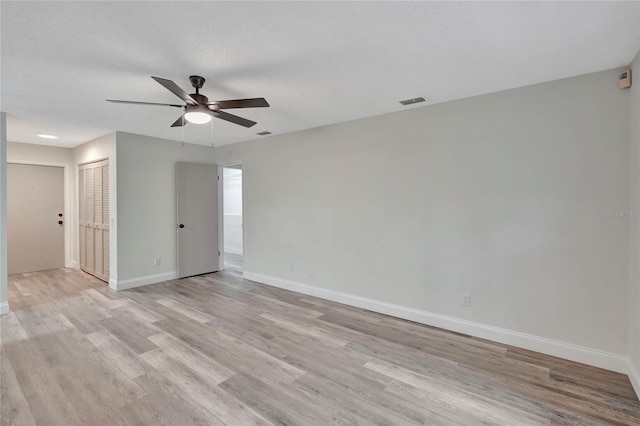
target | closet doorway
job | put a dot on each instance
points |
(93, 214)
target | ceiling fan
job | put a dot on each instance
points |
(198, 109)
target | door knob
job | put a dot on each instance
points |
(181, 226)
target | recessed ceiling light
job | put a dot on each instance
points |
(263, 133)
(412, 101)
(47, 136)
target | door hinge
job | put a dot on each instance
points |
(218, 177)
(218, 253)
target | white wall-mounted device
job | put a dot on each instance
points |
(624, 80)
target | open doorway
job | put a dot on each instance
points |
(232, 218)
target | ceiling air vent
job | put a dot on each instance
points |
(263, 133)
(412, 101)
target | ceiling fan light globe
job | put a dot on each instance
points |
(197, 117)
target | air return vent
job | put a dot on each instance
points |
(412, 101)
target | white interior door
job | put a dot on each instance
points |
(197, 214)
(93, 191)
(35, 225)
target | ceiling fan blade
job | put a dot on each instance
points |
(141, 103)
(180, 122)
(176, 90)
(233, 118)
(241, 103)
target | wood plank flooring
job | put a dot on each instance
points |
(217, 349)
(233, 262)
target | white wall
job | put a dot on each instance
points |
(24, 153)
(502, 196)
(232, 202)
(147, 206)
(99, 149)
(634, 231)
(4, 304)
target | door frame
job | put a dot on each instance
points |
(221, 165)
(68, 220)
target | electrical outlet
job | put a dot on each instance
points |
(157, 261)
(466, 299)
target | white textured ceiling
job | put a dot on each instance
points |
(316, 62)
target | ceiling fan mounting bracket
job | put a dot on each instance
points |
(197, 82)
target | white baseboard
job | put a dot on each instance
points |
(113, 284)
(140, 281)
(73, 264)
(4, 308)
(582, 354)
(634, 376)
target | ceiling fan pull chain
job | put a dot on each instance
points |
(212, 134)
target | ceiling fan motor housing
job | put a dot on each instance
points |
(201, 99)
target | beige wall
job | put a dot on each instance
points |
(24, 153)
(504, 196)
(4, 304)
(144, 182)
(98, 149)
(38, 154)
(634, 231)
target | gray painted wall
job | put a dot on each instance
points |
(98, 149)
(504, 196)
(147, 202)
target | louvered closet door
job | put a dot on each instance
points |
(98, 263)
(93, 180)
(88, 182)
(82, 219)
(105, 221)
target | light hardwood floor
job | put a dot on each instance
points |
(217, 349)
(233, 262)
